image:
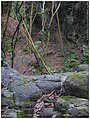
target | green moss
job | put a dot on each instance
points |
(75, 76)
(83, 109)
(20, 114)
(68, 98)
(78, 76)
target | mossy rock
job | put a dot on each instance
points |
(68, 98)
(77, 84)
(78, 76)
(71, 106)
(83, 67)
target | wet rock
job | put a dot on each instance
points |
(77, 84)
(71, 106)
(83, 67)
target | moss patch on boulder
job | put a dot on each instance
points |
(68, 98)
(78, 76)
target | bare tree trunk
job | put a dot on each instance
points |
(4, 33)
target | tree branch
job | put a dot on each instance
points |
(54, 14)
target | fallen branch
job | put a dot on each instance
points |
(51, 98)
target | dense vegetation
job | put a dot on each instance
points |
(38, 24)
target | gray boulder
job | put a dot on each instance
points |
(8, 75)
(71, 106)
(28, 90)
(77, 84)
(25, 87)
(48, 86)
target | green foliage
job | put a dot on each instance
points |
(68, 98)
(85, 56)
(70, 61)
(3, 60)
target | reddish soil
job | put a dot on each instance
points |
(23, 61)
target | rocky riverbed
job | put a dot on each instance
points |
(20, 93)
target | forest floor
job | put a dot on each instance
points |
(24, 61)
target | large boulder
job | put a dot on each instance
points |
(48, 83)
(28, 88)
(77, 84)
(26, 91)
(71, 106)
(8, 74)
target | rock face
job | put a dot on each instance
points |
(77, 84)
(71, 106)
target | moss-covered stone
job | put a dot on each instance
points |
(71, 106)
(77, 84)
(78, 76)
(68, 98)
